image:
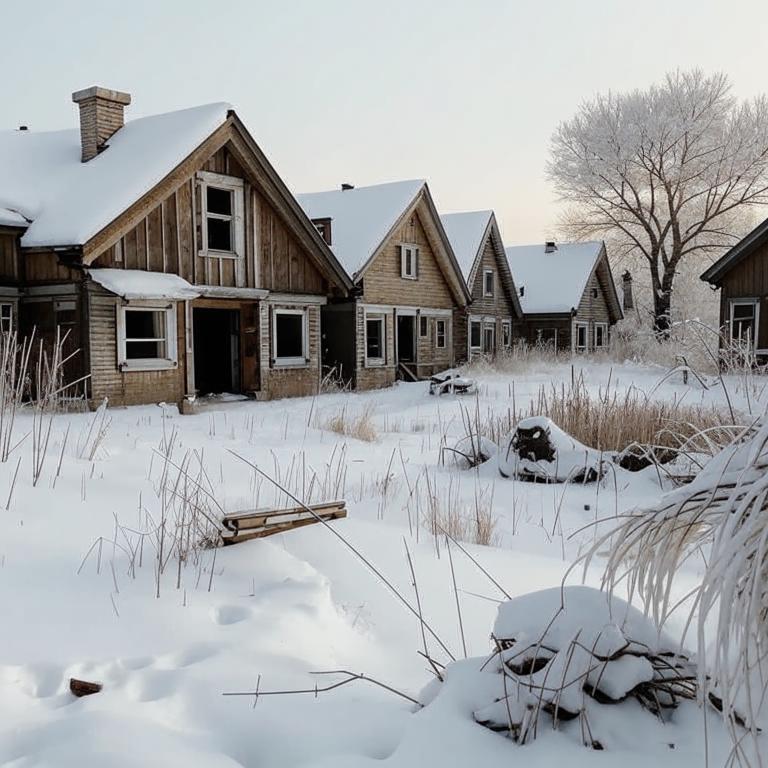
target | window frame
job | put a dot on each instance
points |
(377, 318)
(604, 328)
(486, 293)
(3, 305)
(236, 187)
(170, 361)
(489, 328)
(295, 361)
(506, 334)
(755, 304)
(413, 250)
(438, 335)
(578, 327)
(478, 347)
(423, 327)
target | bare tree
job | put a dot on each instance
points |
(664, 170)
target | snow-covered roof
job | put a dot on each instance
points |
(9, 218)
(69, 201)
(361, 217)
(552, 282)
(139, 284)
(465, 231)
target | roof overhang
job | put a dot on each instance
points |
(755, 239)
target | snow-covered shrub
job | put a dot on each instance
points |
(470, 451)
(722, 515)
(565, 655)
(538, 449)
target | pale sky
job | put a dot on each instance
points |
(464, 94)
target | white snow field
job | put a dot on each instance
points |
(79, 589)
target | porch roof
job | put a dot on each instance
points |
(139, 284)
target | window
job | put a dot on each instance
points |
(581, 337)
(489, 339)
(506, 333)
(475, 334)
(423, 326)
(6, 318)
(441, 333)
(289, 336)
(323, 226)
(744, 321)
(409, 262)
(601, 335)
(546, 338)
(222, 215)
(375, 335)
(146, 337)
(522, 290)
(594, 293)
(488, 282)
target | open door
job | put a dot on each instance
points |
(216, 350)
(406, 339)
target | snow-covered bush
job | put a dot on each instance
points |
(538, 449)
(564, 656)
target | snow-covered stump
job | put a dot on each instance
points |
(565, 659)
(539, 450)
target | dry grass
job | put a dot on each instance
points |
(357, 425)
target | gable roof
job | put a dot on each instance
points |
(554, 283)
(468, 232)
(69, 201)
(361, 218)
(744, 248)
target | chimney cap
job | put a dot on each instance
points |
(23, 128)
(550, 246)
(97, 92)
(346, 187)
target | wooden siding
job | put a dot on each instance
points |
(9, 262)
(747, 280)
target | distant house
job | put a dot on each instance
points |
(486, 328)
(169, 249)
(741, 274)
(408, 285)
(567, 294)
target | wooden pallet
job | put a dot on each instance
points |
(255, 524)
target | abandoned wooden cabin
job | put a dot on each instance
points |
(741, 274)
(170, 251)
(486, 327)
(408, 286)
(567, 294)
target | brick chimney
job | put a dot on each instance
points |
(626, 284)
(101, 114)
(550, 246)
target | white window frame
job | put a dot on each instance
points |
(9, 306)
(506, 333)
(755, 303)
(147, 363)
(237, 187)
(291, 362)
(413, 250)
(576, 345)
(489, 327)
(444, 323)
(473, 321)
(604, 328)
(486, 292)
(380, 318)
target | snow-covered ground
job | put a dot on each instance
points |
(77, 599)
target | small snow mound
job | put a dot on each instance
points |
(538, 449)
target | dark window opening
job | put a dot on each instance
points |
(374, 338)
(424, 326)
(219, 201)
(440, 334)
(581, 337)
(145, 334)
(488, 284)
(289, 335)
(475, 334)
(219, 234)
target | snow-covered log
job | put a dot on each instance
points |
(538, 449)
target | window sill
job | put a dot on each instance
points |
(212, 254)
(409, 277)
(290, 362)
(147, 365)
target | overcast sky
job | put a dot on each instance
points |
(464, 94)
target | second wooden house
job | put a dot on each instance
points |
(408, 286)
(486, 328)
(168, 249)
(567, 294)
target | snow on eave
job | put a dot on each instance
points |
(11, 218)
(140, 284)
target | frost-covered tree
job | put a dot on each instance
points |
(665, 170)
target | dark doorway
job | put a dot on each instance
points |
(217, 350)
(406, 339)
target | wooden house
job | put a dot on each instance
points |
(741, 274)
(408, 285)
(567, 294)
(486, 327)
(170, 251)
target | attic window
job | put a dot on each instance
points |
(409, 262)
(221, 201)
(488, 282)
(323, 226)
(594, 293)
(522, 290)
